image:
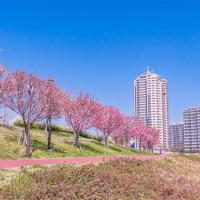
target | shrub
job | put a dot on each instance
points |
(118, 179)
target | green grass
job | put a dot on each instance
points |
(62, 145)
(176, 178)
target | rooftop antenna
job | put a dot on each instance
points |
(148, 70)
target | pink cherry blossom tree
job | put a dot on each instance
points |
(3, 73)
(141, 131)
(152, 138)
(108, 122)
(54, 100)
(127, 130)
(22, 94)
(79, 114)
(147, 136)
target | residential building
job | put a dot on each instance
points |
(151, 103)
(177, 136)
(192, 130)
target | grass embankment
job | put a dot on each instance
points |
(171, 178)
(62, 145)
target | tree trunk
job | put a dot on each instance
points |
(126, 143)
(28, 141)
(49, 134)
(106, 142)
(160, 150)
(76, 140)
(46, 126)
(140, 145)
(97, 133)
(21, 137)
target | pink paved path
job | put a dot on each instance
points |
(4, 164)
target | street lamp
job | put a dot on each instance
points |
(48, 122)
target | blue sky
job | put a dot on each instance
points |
(100, 47)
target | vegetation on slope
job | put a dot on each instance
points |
(62, 145)
(171, 178)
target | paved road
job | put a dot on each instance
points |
(6, 164)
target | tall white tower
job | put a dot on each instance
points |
(151, 103)
(2, 115)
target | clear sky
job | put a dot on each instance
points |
(101, 46)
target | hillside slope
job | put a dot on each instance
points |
(62, 145)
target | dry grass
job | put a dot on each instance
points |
(164, 179)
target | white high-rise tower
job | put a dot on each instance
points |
(151, 103)
(2, 115)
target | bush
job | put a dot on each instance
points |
(119, 179)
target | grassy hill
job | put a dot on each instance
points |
(175, 178)
(62, 145)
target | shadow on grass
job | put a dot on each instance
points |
(58, 150)
(37, 145)
(68, 142)
(63, 134)
(97, 143)
(89, 148)
(114, 148)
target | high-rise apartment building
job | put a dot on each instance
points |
(192, 130)
(151, 103)
(177, 136)
(2, 115)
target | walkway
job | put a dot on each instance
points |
(5, 164)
